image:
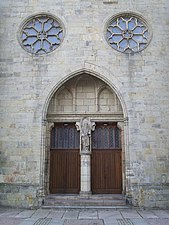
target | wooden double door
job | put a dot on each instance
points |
(106, 168)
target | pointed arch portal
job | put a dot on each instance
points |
(68, 168)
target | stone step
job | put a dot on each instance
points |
(116, 207)
(85, 202)
(77, 197)
(76, 201)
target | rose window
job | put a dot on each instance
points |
(41, 34)
(127, 34)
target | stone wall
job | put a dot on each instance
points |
(141, 82)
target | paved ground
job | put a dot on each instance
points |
(83, 217)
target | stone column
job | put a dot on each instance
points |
(120, 125)
(44, 161)
(127, 163)
(85, 126)
(49, 127)
(85, 184)
(41, 190)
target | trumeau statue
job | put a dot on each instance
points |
(85, 126)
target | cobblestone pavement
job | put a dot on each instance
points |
(83, 217)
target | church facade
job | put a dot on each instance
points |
(84, 100)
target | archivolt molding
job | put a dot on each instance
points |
(101, 89)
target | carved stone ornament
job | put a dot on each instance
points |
(85, 126)
(41, 34)
(128, 33)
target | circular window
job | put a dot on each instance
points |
(41, 34)
(127, 33)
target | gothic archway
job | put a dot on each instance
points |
(84, 95)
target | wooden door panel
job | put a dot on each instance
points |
(106, 172)
(65, 171)
(64, 160)
(106, 162)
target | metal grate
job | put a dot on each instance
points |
(124, 222)
(43, 221)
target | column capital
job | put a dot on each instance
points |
(120, 125)
(126, 121)
(44, 122)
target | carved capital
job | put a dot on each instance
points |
(93, 125)
(44, 122)
(126, 120)
(77, 125)
(50, 126)
(120, 125)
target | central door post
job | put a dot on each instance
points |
(85, 126)
(85, 187)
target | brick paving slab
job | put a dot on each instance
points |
(161, 213)
(88, 214)
(11, 213)
(157, 221)
(71, 214)
(83, 222)
(84, 217)
(109, 214)
(56, 221)
(10, 221)
(25, 214)
(56, 214)
(147, 214)
(111, 221)
(41, 213)
(29, 221)
(139, 222)
(130, 214)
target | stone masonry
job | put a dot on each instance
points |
(137, 83)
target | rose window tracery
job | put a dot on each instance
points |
(41, 34)
(127, 33)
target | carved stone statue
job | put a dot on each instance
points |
(85, 126)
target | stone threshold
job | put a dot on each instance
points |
(108, 201)
(85, 207)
